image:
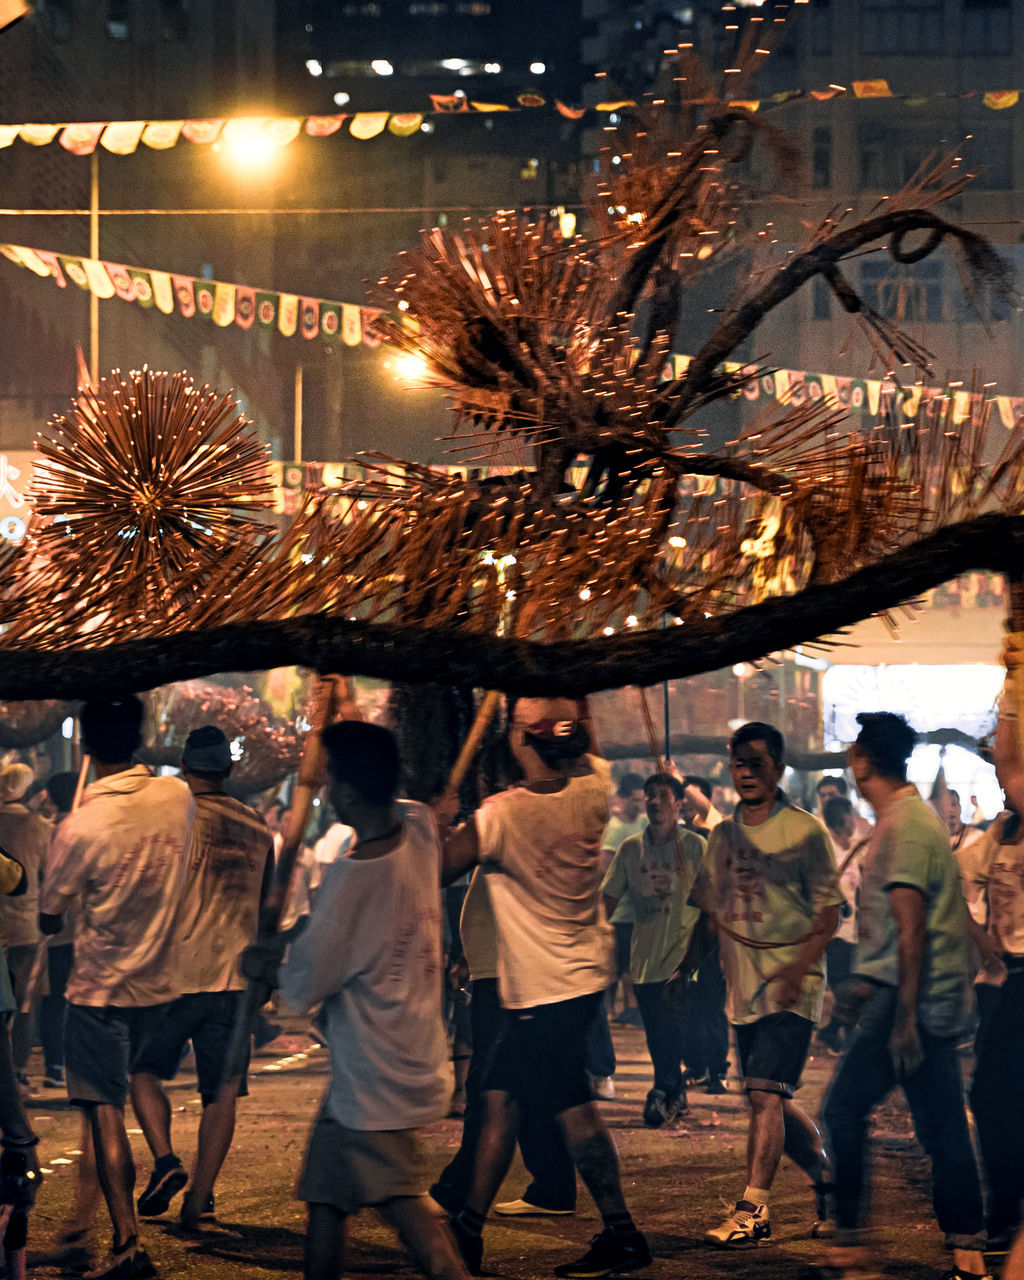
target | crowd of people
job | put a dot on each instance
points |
(885, 942)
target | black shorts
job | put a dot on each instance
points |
(541, 1057)
(101, 1045)
(773, 1051)
(207, 1018)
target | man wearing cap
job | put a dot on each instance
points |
(121, 856)
(539, 847)
(229, 864)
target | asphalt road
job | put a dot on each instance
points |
(677, 1184)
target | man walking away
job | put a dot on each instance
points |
(122, 858)
(372, 953)
(229, 865)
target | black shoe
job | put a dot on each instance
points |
(694, 1077)
(715, 1084)
(131, 1263)
(611, 1253)
(655, 1109)
(156, 1198)
(470, 1246)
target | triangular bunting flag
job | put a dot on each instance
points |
(324, 126)
(351, 325)
(163, 291)
(367, 124)
(80, 139)
(405, 126)
(143, 286)
(8, 132)
(266, 309)
(288, 313)
(330, 319)
(368, 326)
(53, 263)
(99, 279)
(202, 131)
(122, 137)
(1000, 100)
(184, 291)
(309, 317)
(205, 297)
(223, 304)
(74, 269)
(245, 307)
(570, 113)
(38, 135)
(123, 284)
(872, 89)
(162, 134)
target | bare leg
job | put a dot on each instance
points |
(216, 1129)
(1014, 1269)
(765, 1137)
(87, 1187)
(595, 1157)
(494, 1150)
(154, 1113)
(426, 1235)
(324, 1255)
(803, 1143)
(114, 1167)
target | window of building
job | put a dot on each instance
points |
(986, 27)
(990, 158)
(889, 154)
(119, 19)
(903, 27)
(821, 300)
(903, 293)
(821, 159)
(174, 19)
(821, 29)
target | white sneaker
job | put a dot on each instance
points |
(524, 1209)
(604, 1087)
(745, 1228)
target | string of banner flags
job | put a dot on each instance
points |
(123, 137)
(226, 303)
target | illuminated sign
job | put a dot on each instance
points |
(15, 474)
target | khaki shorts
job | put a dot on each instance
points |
(355, 1168)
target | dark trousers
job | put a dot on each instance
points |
(541, 1140)
(997, 1101)
(600, 1050)
(838, 967)
(53, 1006)
(706, 1034)
(935, 1096)
(664, 1016)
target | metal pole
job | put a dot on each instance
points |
(297, 425)
(94, 252)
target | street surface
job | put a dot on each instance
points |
(677, 1184)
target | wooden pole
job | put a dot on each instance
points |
(470, 747)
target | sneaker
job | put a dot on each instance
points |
(54, 1078)
(470, 1246)
(745, 1228)
(129, 1263)
(655, 1109)
(715, 1085)
(603, 1087)
(695, 1077)
(524, 1209)
(207, 1213)
(676, 1108)
(611, 1253)
(156, 1198)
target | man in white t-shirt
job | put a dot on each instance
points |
(122, 858)
(629, 821)
(769, 885)
(539, 847)
(229, 867)
(372, 954)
